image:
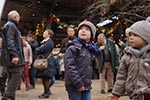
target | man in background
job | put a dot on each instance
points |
(12, 53)
(68, 39)
(32, 71)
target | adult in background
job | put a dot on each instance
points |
(111, 38)
(32, 71)
(107, 61)
(12, 53)
(45, 49)
(65, 42)
(68, 39)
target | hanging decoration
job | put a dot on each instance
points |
(107, 29)
(40, 27)
(37, 30)
(116, 28)
(52, 19)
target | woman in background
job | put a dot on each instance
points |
(45, 49)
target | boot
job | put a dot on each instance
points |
(44, 95)
(8, 98)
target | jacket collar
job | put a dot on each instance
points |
(136, 52)
(77, 44)
(13, 21)
(45, 40)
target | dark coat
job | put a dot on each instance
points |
(66, 42)
(78, 67)
(12, 45)
(46, 49)
(33, 44)
(114, 58)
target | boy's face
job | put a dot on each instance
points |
(84, 33)
(24, 39)
(29, 38)
(136, 41)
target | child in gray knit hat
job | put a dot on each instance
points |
(91, 27)
(134, 70)
(78, 60)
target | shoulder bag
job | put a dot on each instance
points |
(41, 62)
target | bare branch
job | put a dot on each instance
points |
(130, 9)
(133, 14)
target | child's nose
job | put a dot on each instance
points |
(131, 37)
(83, 30)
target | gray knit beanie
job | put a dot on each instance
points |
(148, 19)
(141, 28)
(90, 25)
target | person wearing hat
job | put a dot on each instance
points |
(12, 53)
(134, 69)
(78, 62)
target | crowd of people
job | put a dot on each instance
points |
(125, 67)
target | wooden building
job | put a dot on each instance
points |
(65, 12)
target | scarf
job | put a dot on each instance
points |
(92, 48)
(139, 53)
(45, 40)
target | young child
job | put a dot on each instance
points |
(61, 63)
(3, 74)
(28, 61)
(134, 70)
(78, 63)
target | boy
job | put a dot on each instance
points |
(28, 61)
(3, 77)
(3, 73)
(78, 63)
(134, 69)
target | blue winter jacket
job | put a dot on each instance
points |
(78, 67)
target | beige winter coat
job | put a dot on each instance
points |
(133, 75)
(27, 53)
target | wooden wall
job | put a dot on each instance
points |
(25, 12)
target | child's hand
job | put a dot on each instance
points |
(82, 88)
(113, 97)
